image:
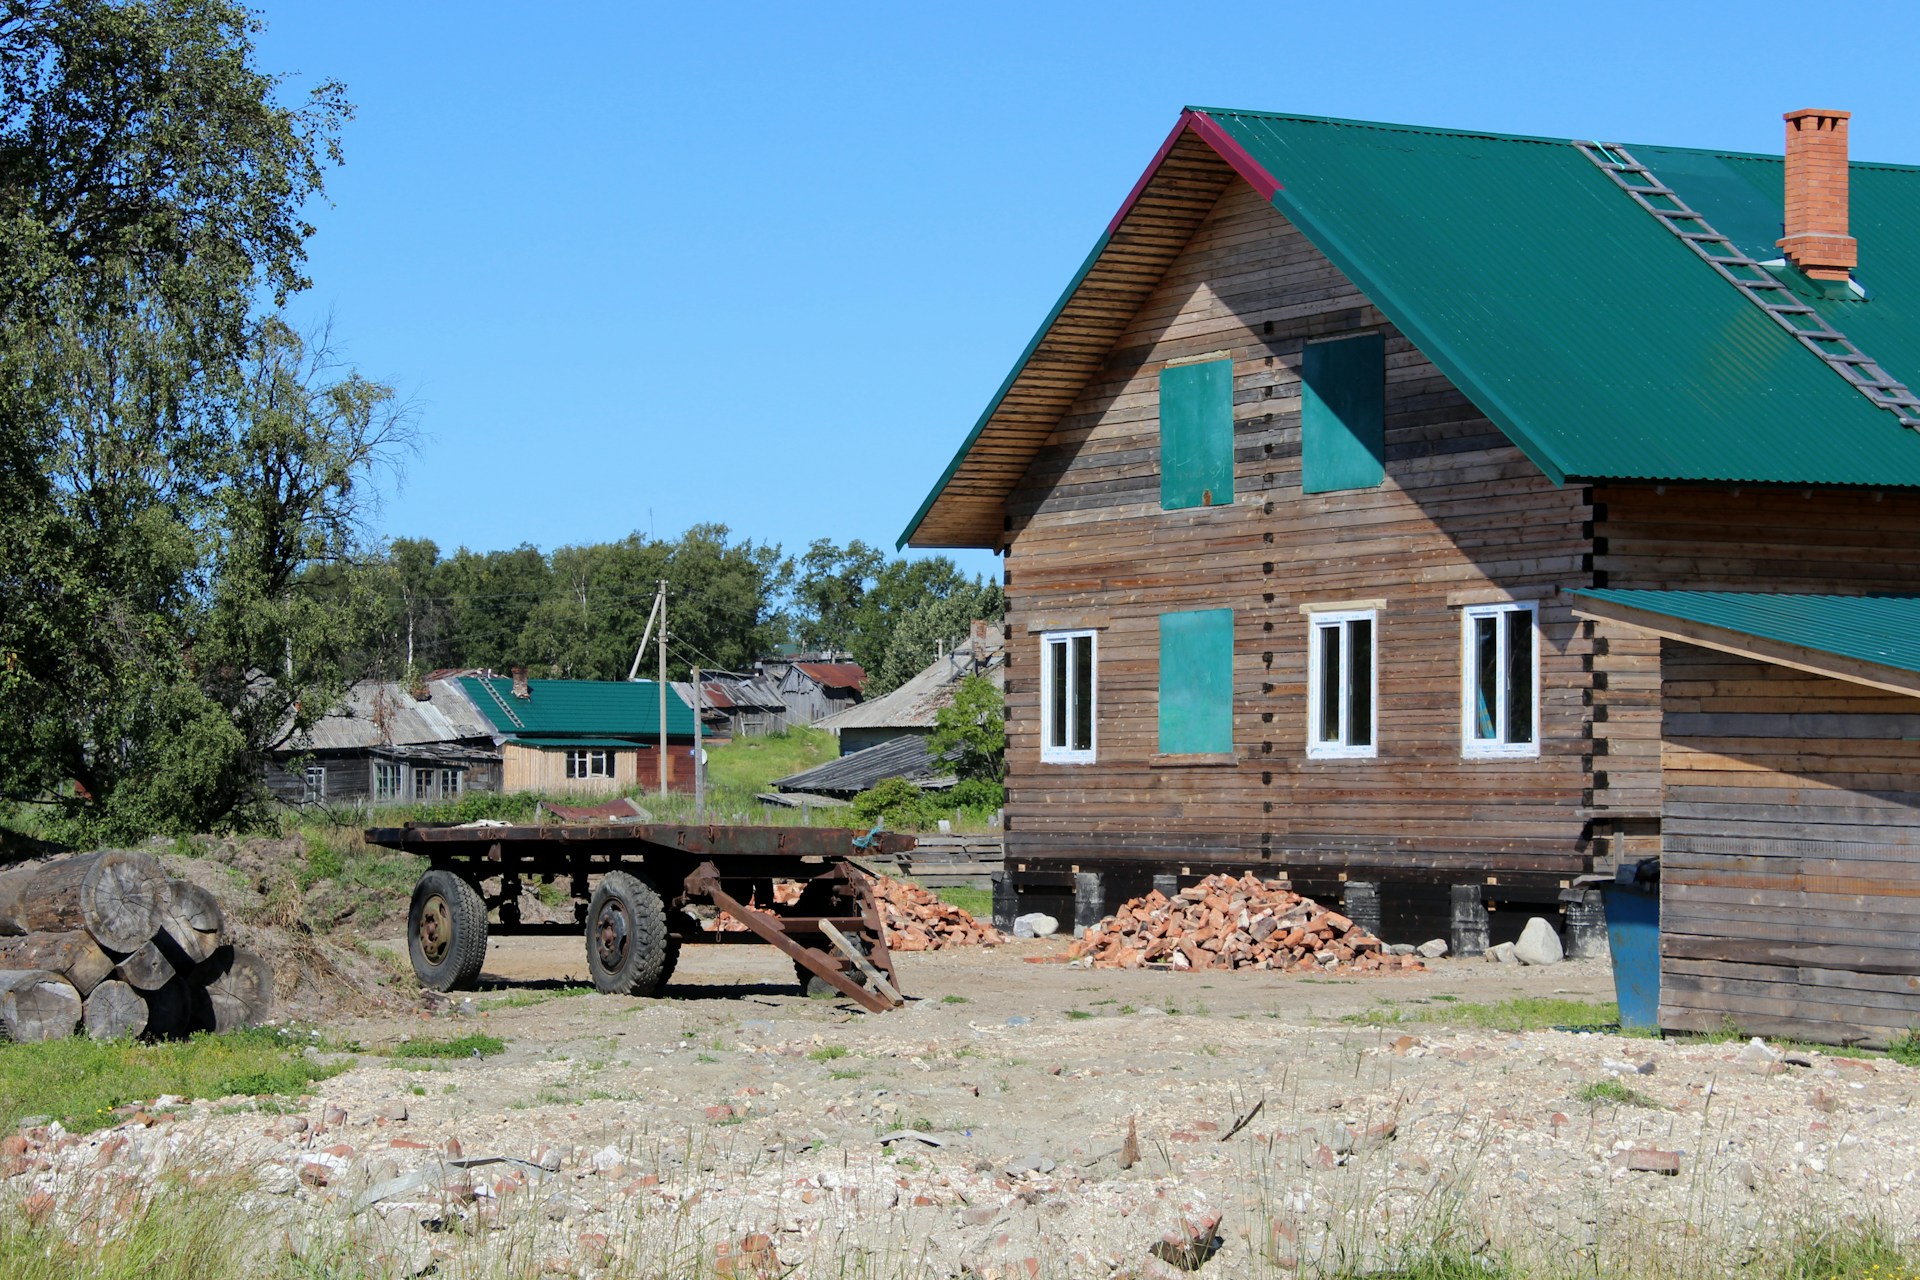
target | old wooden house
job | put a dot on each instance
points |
(909, 711)
(583, 735)
(388, 743)
(1437, 517)
(815, 689)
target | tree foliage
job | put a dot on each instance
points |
(973, 729)
(891, 615)
(171, 459)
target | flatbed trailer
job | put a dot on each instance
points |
(635, 886)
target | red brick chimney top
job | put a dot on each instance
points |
(520, 689)
(1816, 196)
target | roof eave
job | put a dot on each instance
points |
(1746, 645)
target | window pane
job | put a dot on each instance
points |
(1486, 676)
(1360, 683)
(1057, 673)
(1329, 730)
(1083, 693)
(1519, 676)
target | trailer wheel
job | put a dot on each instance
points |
(627, 946)
(446, 931)
(814, 986)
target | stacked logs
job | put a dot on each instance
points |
(109, 941)
(1228, 923)
(917, 920)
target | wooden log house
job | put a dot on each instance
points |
(583, 735)
(1357, 500)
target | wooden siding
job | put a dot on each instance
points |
(1790, 878)
(540, 769)
(1462, 514)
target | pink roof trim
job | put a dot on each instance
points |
(1214, 136)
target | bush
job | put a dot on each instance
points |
(898, 803)
(1905, 1048)
(977, 794)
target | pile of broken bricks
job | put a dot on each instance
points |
(1228, 923)
(916, 919)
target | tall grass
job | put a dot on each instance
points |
(80, 1082)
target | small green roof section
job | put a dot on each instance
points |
(1574, 319)
(583, 709)
(1881, 630)
(580, 744)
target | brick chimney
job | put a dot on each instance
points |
(1817, 241)
(520, 689)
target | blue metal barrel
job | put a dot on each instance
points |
(1633, 931)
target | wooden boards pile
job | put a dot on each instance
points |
(108, 941)
(1228, 923)
(917, 920)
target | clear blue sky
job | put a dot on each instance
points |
(640, 266)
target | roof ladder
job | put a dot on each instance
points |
(1767, 292)
(486, 683)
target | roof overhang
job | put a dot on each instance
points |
(1677, 615)
(967, 507)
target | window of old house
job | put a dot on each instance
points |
(1343, 414)
(1196, 682)
(1196, 435)
(1068, 681)
(1500, 715)
(1342, 684)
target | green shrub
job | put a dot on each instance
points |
(1905, 1048)
(474, 1045)
(977, 794)
(897, 802)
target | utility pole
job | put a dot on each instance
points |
(664, 764)
(699, 756)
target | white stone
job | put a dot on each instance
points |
(1035, 924)
(1539, 944)
(1501, 953)
(1433, 948)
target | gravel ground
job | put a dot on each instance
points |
(981, 1131)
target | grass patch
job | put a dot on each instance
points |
(477, 1044)
(79, 1082)
(1078, 1015)
(522, 999)
(1905, 1048)
(977, 903)
(828, 1053)
(1869, 1252)
(1529, 1013)
(1618, 1094)
(955, 1000)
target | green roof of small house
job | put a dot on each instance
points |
(587, 709)
(1587, 331)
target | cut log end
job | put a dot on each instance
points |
(239, 986)
(115, 1011)
(36, 1005)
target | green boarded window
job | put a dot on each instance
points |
(1343, 414)
(1196, 435)
(1196, 682)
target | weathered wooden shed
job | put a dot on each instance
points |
(813, 691)
(1297, 481)
(909, 711)
(385, 745)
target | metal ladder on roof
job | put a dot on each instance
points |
(486, 683)
(1768, 293)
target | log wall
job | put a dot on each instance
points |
(1790, 880)
(1462, 515)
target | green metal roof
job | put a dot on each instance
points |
(1576, 321)
(578, 708)
(1600, 344)
(578, 744)
(1884, 630)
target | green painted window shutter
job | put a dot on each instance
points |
(1196, 435)
(1343, 414)
(1196, 682)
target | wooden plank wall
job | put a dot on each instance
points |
(534, 769)
(1461, 511)
(1790, 882)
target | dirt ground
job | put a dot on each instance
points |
(981, 1131)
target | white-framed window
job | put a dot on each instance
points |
(422, 784)
(1342, 684)
(1069, 666)
(449, 782)
(386, 780)
(1500, 680)
(589, 764)
(316, 780)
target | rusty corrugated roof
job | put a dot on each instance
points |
(835, 675)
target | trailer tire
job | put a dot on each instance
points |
(814, 987)
(446, 931)
(627, 945)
